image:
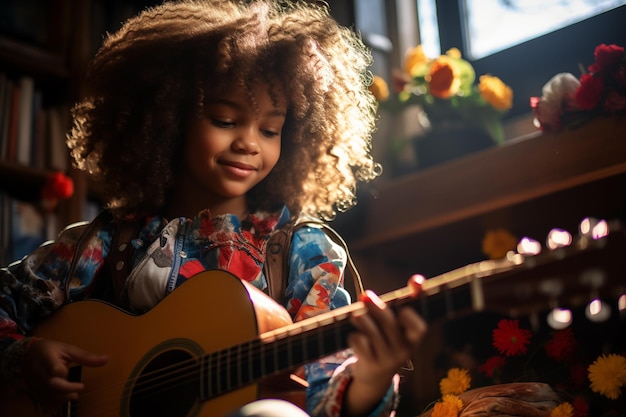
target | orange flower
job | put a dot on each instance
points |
(453, 399)
(444, 77)
(509, 339)
(415, 61)
(562, 410)
(497, 242)
(608, 375)
(445, 409)
(379, 89)
(457, 382)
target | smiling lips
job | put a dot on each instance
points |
(238, 169)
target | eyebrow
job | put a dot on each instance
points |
(272, 113)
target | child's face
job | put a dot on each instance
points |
(235, 145)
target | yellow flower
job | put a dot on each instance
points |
(453, 399)
(444, 77)
(379, 89)
(495, 92)
(497, 242)
(445, 409)
(454, 53)
(563, 410)
(457, 382)
(607, 375)
(415, 61)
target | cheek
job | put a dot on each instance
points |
(202, 143)
(273, 156)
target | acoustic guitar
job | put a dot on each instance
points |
(207, 348)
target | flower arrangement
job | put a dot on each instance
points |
(583, 385)
(445, 89)
(568, 101)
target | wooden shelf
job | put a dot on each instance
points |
(22, 182)
(433, 221)
(32, 59)
(513, 173)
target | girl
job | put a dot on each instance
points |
(210, 125)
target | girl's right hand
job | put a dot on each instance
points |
(45, 368)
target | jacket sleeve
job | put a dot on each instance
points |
(34, 287)
(316, 270)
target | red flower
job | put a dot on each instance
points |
(578, 374)
(590, 91)
(562, 345)
(491, 365)
(57, 187)
(606, 56)
(614, 102)
(619, 77)
(509, 339)
(399, 80)
(581, 407)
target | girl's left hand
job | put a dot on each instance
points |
(383, 343)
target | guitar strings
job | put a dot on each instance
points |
(180, 373)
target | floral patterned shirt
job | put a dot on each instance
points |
(167, 253)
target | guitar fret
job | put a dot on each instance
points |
(202, 385)
(289, 352)
(218, 374)
(320, 343)
(283, 359)
(239, 365)
(257, 364)
(209, 372)
(263, 358)
(276, 358)
(228, 370)
(233, 380)
(305, 347)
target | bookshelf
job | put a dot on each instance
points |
(44, 48)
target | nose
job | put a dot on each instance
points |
(247, 142)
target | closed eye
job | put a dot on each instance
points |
(222, 123)
(270, 133)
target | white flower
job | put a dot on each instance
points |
(558, 96)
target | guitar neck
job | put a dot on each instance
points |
(475, 287)
(288, 347)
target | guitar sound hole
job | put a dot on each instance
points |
(167, 386)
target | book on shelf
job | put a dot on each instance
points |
(57, 125)
(24, 138)
(24, 229)
(30, 134)
(6, 92)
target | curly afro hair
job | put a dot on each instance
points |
(159, 69)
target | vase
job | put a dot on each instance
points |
(445, 142)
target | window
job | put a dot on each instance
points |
(532, 47)
(493, 25)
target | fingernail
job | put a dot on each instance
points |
(371, 296)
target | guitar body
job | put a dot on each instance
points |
(212, 311)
